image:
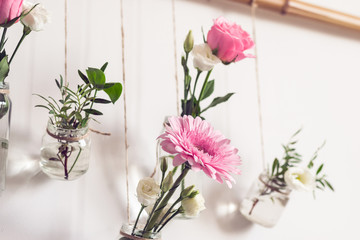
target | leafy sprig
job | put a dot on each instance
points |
(76, 107)
(292, 158)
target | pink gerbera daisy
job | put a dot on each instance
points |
(195, 141)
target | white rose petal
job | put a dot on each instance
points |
(204, 60)
(193, 206)
(300, 179)
(37, 18)
(147, 191)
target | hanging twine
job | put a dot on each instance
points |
(125, 117)
(175, 58)
(66, 42)
(253, 16)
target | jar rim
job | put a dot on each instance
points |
(66, 134)
(266, 180)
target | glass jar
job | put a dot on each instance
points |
(127, 232)
(265, 201)
(65, 153)
(5, 116)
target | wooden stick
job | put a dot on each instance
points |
(307, 10)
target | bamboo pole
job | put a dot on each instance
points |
(307, 10)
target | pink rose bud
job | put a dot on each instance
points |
(9, 9)
(228, 41)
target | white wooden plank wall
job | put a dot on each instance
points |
(309, 76)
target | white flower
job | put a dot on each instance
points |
(300, 179)
(165, 209)
(147, 191)
(193, 206)
(37, 18)
(204, 60)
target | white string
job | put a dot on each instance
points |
(253, 16)
(66, 42)
(175, 58)
(125, 117)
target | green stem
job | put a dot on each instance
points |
(204, 84)
(169, 211)
(186, 88)
(153, 210)
(166, 199)
(17, 46)
(2, 43)
(196, 80)
(172, 216)
(137, 219)
(77, 157)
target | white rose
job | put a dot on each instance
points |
(37, 18)
(193, 206)
(204, 60)
(162, 214)
(147, 191)
(300, 179)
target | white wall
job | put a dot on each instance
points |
(309, 76)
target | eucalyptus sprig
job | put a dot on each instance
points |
(76, 107)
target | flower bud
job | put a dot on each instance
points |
(163, 164)
(194, 193)
(189, 42)
(187, 191)
(168, 182)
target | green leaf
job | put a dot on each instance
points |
(57, 84)
(104, 67)
(101, 100)
(114, 92)
(275, 166)
(319, 169)
(78, 116)
(93, 111)
(329, 185)
(83, 77)
(4, 68)
(208, 89)
(218, 100)
(96, 77)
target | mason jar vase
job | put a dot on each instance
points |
(5, 117)
(265, 201)
(127, 232)
(65, 153)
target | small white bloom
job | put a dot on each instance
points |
(204, 60)
(193, 206)
(300, 179)
(37, 18)
(147, 191)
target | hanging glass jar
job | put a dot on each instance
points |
(265, 201)
(5, 116)
(65, 153)
(128, 232)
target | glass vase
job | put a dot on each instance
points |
(5, 116)
(65, 153)
(127, 232)
(265, 201)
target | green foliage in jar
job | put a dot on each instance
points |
(76, 107)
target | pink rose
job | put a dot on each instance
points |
(228, 41)
(9, 9)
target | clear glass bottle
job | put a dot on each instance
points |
(5, 117)
(265, 201)
(127, 232)
(65, 153)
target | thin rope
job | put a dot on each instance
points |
(253, 16)
(175, 58)
(125, 118)
(66, 42)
